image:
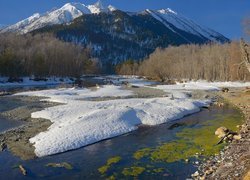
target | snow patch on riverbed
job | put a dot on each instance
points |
(80, 122)
(202, 85)
(27, 81)
(64, 95)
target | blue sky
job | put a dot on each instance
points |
(224, 16)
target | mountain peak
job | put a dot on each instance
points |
(75, 6)
(166, 11)
(99, 7)
(99, 4)
(70, 11)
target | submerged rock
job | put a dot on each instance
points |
(195, 174)
(23, 171)
(60, 165)
(3, 146)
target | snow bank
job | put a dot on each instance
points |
(132, 80)
(29, 82)
(64, 95)
(81, 122)
(202, 85)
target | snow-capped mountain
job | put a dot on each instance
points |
(170, 18)
(2, 26)
(71, 11)
(65, 14)
(115, 35)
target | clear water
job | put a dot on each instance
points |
(6, 124)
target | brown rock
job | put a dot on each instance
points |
(224, 89)
(221, 132)
(247, 176)
(23, 171)
(237, 137)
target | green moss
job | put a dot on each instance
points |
(103, 169)
(111, 177)
(109, 163)
(60, 165)
(195, 140)
(142, 153)
(158, 170)
(133, 171)
(189, 141)
(173, 151)
(113, 160)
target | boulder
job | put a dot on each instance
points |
(221, 132)
(224, 89)
(3, 146)
(237, 137)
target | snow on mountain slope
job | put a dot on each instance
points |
(99, 7)
(2, 26)
(63, 15)
(22, 24)
(172, 19)
(178, 24)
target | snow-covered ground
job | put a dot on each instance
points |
(80, 121)
(202, 85)
(66, 95)
(132, 80)
(27, 81)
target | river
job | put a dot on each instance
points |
(166, 151)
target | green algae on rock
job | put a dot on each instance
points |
(109, 163)
(60, 165)
(195, 140)
(158, 170)
(142, 153)
(133, 171)
(191, 141)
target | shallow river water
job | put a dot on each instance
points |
(158, 152)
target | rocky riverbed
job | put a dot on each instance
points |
(234, 161)
(17, 140)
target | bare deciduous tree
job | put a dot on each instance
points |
(42, 55)
(245, 54)
(210, 62)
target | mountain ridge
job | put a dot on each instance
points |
(65, 14)
(71, 11)
(114, 35)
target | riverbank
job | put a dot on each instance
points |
(20, 109)
(234, 161)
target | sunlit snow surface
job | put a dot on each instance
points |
(80, 121)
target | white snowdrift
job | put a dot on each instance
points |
(202, 85)
(64, 95)
(29, 82)
(80, 122)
